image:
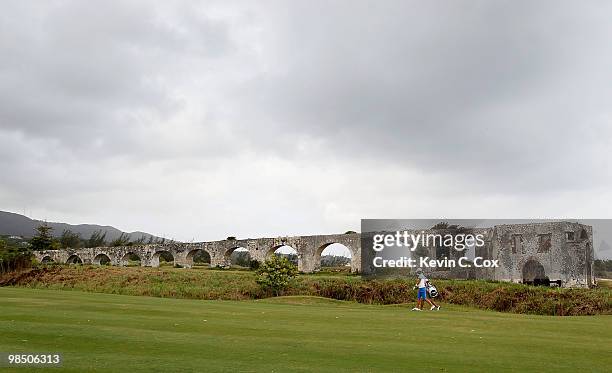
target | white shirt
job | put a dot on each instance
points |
(422, 280)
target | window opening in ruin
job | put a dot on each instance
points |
(544, 242)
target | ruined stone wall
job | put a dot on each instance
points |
(536, 253)
(562, 250)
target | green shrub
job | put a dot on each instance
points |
(14, 258)
(275, 274)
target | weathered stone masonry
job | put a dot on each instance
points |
(308, 249)
(561, 252)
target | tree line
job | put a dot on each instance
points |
(17, 254)
(603, 268)
(44, 240)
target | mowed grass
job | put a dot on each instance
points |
(291, 334)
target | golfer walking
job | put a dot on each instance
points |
(422, 285)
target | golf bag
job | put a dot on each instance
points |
(432, 290)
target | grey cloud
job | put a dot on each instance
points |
(297, 111)
(79, 72)
(499, 90)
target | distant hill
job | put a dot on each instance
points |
(19, 225)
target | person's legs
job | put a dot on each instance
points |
(433, 304)
(419, 304)
(422, 296)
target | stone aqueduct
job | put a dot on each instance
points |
(560, 252)
(308, 248)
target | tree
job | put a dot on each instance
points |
(141, 240)
(13, 258)
(440, 225)
(334, 260)
(291, 257)
(43, 240)
(97, 239)
(69, 239)
(122, 240)
(603, 267)
(276, 273)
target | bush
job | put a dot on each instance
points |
(275, 274)
(14, 258)
(254, 264)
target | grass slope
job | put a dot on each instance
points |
(291, 334)
(240, 285)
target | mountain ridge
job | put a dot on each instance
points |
(14, 224)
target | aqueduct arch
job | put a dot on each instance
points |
(102, 259)
(155, 259)
(236, 249)
(282, 249)
(192, 254)
(329, 245)
(130, 257)
(74, 259)
(47, 259)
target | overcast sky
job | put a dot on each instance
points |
(203, 120)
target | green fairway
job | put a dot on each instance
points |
(129, 333)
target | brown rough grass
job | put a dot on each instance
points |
(241, 285)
